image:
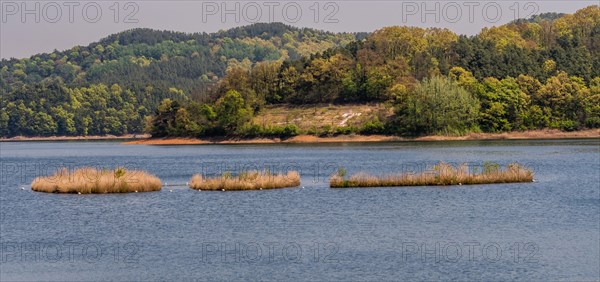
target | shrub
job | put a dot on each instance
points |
(372, 127)
(565, 125)
(250, 130)
(120, 172)
(327, 130)
(345, 130)
(290, 130)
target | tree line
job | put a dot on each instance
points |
(40, 94)
(529, 74)
(535, 73)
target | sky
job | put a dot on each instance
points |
(30, 27)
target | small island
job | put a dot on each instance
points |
(442, 174)
(94, 181)
(246, 180)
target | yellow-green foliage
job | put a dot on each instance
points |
(248, 180)
(93, 181)
(442, 174)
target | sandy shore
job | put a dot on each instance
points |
(536, 134)
(76, 138)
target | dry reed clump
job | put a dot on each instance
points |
(93, 181)
(247, 180)
(442, 174)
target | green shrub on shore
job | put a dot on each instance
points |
(254, 131)
(372, 127)
(443, 174)
(247, 180)
(93, 181)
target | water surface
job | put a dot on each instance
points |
(547, 230)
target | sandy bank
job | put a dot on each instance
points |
(536, 134)
(76, 138)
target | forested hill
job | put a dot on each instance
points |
(108, 87)
(542, 72)
(532, 73)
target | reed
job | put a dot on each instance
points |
(247, 180)
(92, 181)
(442, 174)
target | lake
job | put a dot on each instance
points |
(546, 230)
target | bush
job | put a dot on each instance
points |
(565, 125)
(372, 127)
(345, 130)
(326, 131)
(287, 131)
(593, 122)
(250, 130)
(312, 131)
(290, 130)
(120, 172)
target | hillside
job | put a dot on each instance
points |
(323, 119)
(526, 75)
(542, 72)
(110, 86)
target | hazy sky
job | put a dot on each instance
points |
(30, 27)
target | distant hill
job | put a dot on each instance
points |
(531, 73)
(67, 92)
(139, 57)
(541, 18)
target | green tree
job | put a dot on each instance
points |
(566, 97)
(164, 122)
(232, 112)
(592, 105)
(4, 118)
(64, 121)
(504, 105)
(438, 106)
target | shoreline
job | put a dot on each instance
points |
(308, 139)
(145, 139)
(76, 138)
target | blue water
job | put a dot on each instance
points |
(547, 230)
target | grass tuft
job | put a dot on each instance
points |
(247, 180)
(93, 181)
(442, 174)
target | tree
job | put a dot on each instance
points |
(64, 121)
(503, 105)
(164, 122)
(397, 41)
(239, 79)
(502, 37)
(322, 80)
(232, 112)
(592, 105)
(265, 81)
(438, 106)
(4, 118)
(566, 98)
